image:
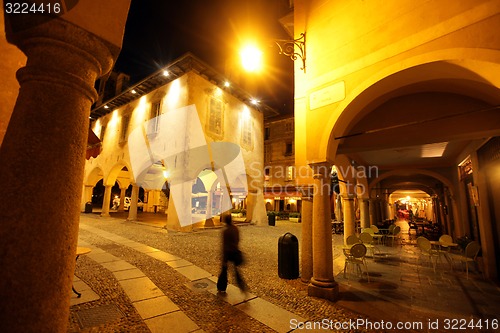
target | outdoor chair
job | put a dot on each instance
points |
(445, 239)
(469, 256)
(352, 239)
(367, 239)
(355, 257)
(377, 235)
(426, 250)
(393, 234)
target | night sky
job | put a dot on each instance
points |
(159, 31)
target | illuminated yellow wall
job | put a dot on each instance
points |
(353, 44)
(186, 90)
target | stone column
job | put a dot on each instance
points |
(364, 213)
(322, 284)
(42, 161)
(250, 204)
(121, 208)
(132, 209)
(106, 201)
(209, 221)
(87, 196)
(349, 215)
(306, 260)
(371, 209)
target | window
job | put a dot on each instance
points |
(290, 173)
(267, 133)
(215, 117)
(289, 126)
(246, 133)
(267, 172)
(103, 130)
(154, 116)
(124, 128)
(288, 149)
(268, 153)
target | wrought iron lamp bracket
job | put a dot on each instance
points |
(287, 48)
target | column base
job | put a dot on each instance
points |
(105, 215)
(209, 223)
(328, 291)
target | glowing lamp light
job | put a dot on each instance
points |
(254, 101)
(227, 84)
(166, 73)
(166, 174)
(134, 92)
(251, 58)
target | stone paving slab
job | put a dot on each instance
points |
(120, 265)
(163, 256)
(102, 257)
(193, 272)
(154, 307)
(179, 263)
(87, 294)
(142, 248)
(176, 322)
(140, 288)
(128, 274)
(269, 314)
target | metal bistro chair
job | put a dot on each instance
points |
(355, 256)
(394, 233)
(426, 250)
(469, 256)
(367, 239)
(352, 239)
(377, 235)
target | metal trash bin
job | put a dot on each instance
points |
(288, 256)
(88, 207)
(271, 220)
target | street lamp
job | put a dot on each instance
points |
(251, 56)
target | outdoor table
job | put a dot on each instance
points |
(378, 237)
(383, 231)
(445, 245)
(80, 250)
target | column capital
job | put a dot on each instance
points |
(307, 191)
(61, 53)
(348, 196)
(321, 169)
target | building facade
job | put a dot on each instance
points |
(404, 99)
(188, 140)
(280, 191)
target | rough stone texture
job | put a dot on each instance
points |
(202, 248)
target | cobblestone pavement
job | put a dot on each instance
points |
(211, 313)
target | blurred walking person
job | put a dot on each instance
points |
(230, 253)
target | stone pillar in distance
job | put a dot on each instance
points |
(306, 260)
(364, 213)
(106, 201)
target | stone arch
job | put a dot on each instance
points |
(94, 176)
(426, 172)
(473, 72)
(113, 174)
